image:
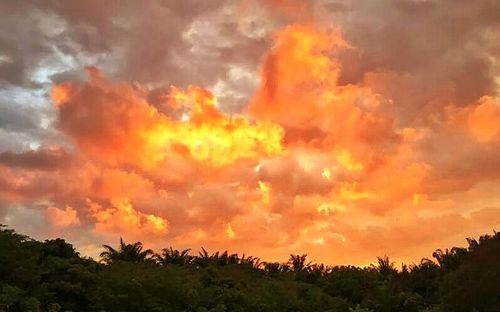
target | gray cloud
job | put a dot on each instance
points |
(22, 43)
(17, 118)
(42, 159)
(442, 51)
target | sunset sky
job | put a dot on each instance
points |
(344, 129)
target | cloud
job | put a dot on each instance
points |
(429, 52)
(281, 134)
(116, 123)
(20, 54)
(122, 217)
(484, 120)
(41, 159)
(62, 218)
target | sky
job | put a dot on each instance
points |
(342, 129)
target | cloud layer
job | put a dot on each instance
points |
(339, 129)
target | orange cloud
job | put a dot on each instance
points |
(61, 218)
(121, 217)
(484, 119)
(314, 164)
(115, 122)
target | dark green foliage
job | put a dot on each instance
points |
(475, 284)
(40, 276)
(52, 276)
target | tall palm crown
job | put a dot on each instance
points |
(298, 263)
(174, 256)
(450, 260)
(127, 252)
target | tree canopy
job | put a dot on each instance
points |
(52, 276)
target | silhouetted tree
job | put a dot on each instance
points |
(174, 256)
(251, 262)
(474, 285)
(385, 266)
(127, 252)
(52, 276)
(275, 268)
(450, 260)
(298, 263)
(58, 248)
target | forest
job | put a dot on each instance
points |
(52, 276)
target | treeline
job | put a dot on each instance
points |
(52, 276)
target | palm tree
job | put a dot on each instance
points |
(251, 262)
(203, 258)
(385, 266)
(225, 258)
(298, 263)
(450, 260)
(319, 270)
(174, 256)
(127, 252)
(275, 268)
